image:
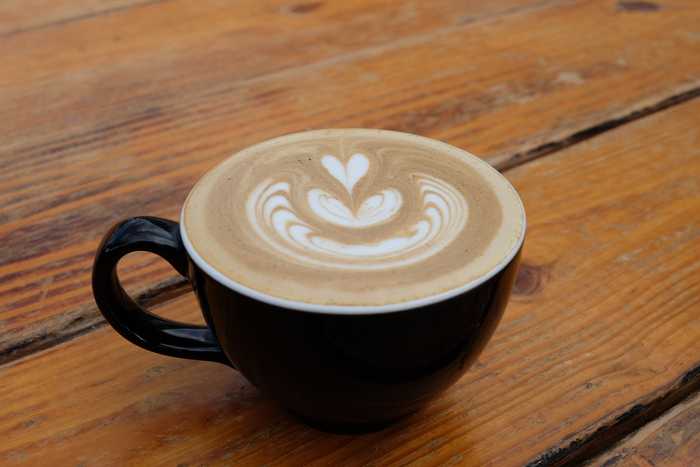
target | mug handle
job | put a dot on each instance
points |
(161, 237)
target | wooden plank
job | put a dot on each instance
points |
(670, 440)
(148, 53)
(77, 88)
(146, 127)
(603, 321)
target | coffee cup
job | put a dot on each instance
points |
(352, 275)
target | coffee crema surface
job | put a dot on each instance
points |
(353, 218)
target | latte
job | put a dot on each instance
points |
(355, 218)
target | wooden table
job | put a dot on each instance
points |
(113, 108)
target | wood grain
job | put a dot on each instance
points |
(603, 321)
(146, 99)
(670, 440)
(20, 16)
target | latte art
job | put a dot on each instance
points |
(375, 209)
(303, 238)
(353, 218)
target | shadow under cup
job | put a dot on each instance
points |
(336, 370)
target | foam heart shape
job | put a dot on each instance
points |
(348, 174)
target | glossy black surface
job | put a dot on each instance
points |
(162, 237)
(336, 371)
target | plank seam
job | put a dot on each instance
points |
(551, 147)
(88, 320)
(585, 448)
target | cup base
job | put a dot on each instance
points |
(346, 428)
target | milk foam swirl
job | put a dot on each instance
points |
(302, 233)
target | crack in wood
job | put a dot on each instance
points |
(595, 130)
(590, 445)
(86, 320)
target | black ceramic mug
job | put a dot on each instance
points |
(336, 369)
(332, 369)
